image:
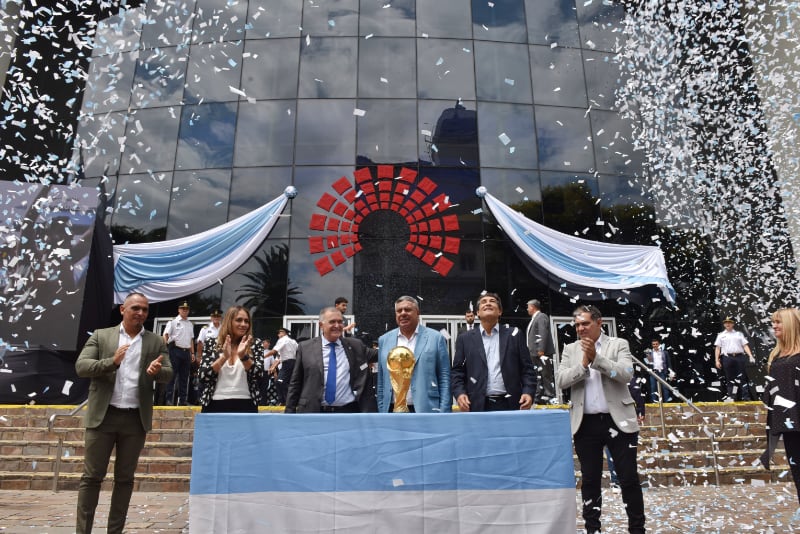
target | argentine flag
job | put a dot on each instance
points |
(501, 472)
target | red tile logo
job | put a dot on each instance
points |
(334, 226)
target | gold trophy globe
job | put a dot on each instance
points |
(400, 363)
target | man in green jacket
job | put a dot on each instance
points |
(123, 362)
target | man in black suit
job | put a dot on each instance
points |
(492, 369)
(330, 371)
(540, 345)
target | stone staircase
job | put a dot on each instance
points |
(684, 457)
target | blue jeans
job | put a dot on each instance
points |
(654, 387)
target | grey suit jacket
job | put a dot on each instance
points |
(615, 365)
(307, 385)
(96, 361)
(539, 337)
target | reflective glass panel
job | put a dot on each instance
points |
(213, 69)
(273, 18)
(502, 72)
(564, 139)
(552, 21)
(328, 67)
(519, 189)
(199, 201)
(557, 76)
(507, 136)
(448, 133)
(627, 210)
(387, 19)
(117, 33)
(386, 68)
(160, 76)
(270, 68)
(312, 183)
(150, 139)
(499, 20)
(108, 86)
(330, 17)
(326, 132)
(603, 76)
(206, 136)
(253, 187)
(613, 144)
(445, 69)
(570, 203)
(265, 133)
(387, 131)
(168, 23)
(444, 18)
(219, 21)
(140, 209)
(97, 146)
(600, 24)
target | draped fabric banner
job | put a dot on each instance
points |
(172, 269)
(500, 472)
(580, 261)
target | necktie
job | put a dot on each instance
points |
(330, 381)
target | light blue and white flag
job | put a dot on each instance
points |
(501, 472)
(172, 269)
(590, 264)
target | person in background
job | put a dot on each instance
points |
(349, 328)
(179, 337)
(658, 359)
(430, 381)
(209, 331)
(781, 393)
(541, 348)
(731, 351)
(123, 362)
(284, 352)
(469, 319)
(232, 366)
(597, 370)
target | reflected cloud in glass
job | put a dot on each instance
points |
(564, 139)
(499, 20)
(386, 132)
(444, 18)
(199, 201)
(326, 131)
(386, 68)
(503, 72)
(445, 69)
(270, 68)
(507, 136)
(328, 67)
(331, 17)
(558, 76)
(552, 21)
(213, 69)
(150, 139)
(206, 136)
(387, 19)
(160, 76)
(265, 133)
(273, 18)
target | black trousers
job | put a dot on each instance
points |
(735, 368)
(791, 442)
(596, 432)
(284, 377)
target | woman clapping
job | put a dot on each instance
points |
(232, 366)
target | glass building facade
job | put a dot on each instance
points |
(195, 112)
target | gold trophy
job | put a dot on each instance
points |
(400, 363)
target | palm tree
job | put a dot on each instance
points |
(270, 292)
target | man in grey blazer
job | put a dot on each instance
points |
(540, 345)
(123, 363)
(430, 381)
(317, 386)
(597, 369)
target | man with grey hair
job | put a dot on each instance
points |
(330, 371)
(540, 345)
(430, 381)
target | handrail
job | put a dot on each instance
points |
(51, 428)
(711, 434)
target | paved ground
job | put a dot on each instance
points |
(690, 509)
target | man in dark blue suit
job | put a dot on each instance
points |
(492, 368)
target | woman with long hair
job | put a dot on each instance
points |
(232, 366)
(781, 393)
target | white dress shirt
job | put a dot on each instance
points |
(594, 400)
(126, 383)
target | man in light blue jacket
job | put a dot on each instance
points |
(430, 381)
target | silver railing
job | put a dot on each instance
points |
(51, 427)
(709, 432)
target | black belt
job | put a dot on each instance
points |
(735, 354)
(495, 398)
(346, 408)
(112, 407)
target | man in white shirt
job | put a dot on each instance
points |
(731, 352)
(285, 350)
(597, 369)
(658, 359)
(179, 337)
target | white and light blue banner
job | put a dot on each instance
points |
(501, 472)
(172, 269)
(580, 261)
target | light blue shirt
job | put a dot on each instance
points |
(344, 394)
(491, 345)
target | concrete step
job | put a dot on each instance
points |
(70, 481)
(148, 465)
(76, 448)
